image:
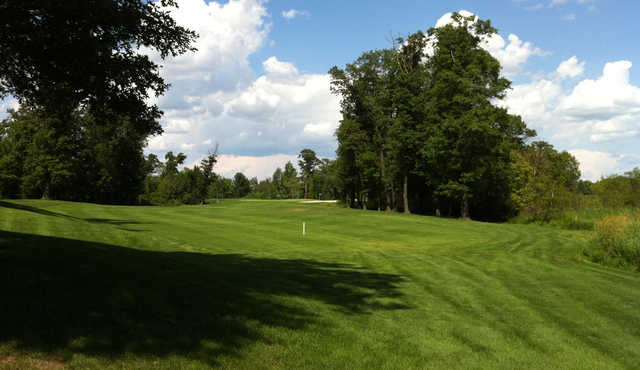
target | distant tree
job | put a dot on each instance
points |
(544, 180)
(633, 174)
(241, 185)
(172, 163)
(278, 183)
(308, 162)
(290, 180)
(208, 176)
(253, 182)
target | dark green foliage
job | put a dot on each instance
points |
(83, 84)
(79, 159)
(308, 163)
(60, 54)
(166, 184)
(241, 185)
(545, 182)
(426, 126)
(619, 190)
(285, 184)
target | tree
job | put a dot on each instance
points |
(473, 136)
(410, 97)
(241, 185)
(60, 54)
(543, 180)
(367, 109)
(278, 183)
(206, 166)
(308, 163)
(290, 180)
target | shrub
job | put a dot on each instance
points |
(616, 242)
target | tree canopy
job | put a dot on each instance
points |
(60, 54)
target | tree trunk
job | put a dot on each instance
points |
(405, 194)
(464, 208)
(393, 196)
(306, 189)
(45, 193)
(384, 176)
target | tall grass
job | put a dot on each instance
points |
(616, 241)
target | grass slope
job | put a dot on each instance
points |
(236, 285)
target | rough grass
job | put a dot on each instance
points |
(616, 242)
(235, 285)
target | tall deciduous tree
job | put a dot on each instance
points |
(308, 163)
(474, 136)
(206, 166)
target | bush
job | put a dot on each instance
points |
(616, 242)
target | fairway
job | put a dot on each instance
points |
(236, 285)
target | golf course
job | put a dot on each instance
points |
(235, 284)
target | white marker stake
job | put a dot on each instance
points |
(303, 229)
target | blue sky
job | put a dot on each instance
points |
(258, 86)
(338, 31)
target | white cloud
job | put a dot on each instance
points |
(228, 34)
(569, 17)
(600, 118)
(608, 97)
(571, 67)
(511, 55)
(595, 164)
(293, 13)
(177, 126)
(215, 93)
(252, 166)
(274, 67)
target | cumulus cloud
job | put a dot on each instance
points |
(293, 13)
(571, 67)
(593, 115)
(216, 97)
(274, 68)
(252, 166)
(609, 96)
(512, 53)
(595, 164)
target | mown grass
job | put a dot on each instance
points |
(235, 285)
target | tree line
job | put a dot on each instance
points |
(106, 164)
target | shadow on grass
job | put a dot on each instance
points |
(120, 224)
(69, 296)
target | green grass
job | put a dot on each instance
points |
(235, 285)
